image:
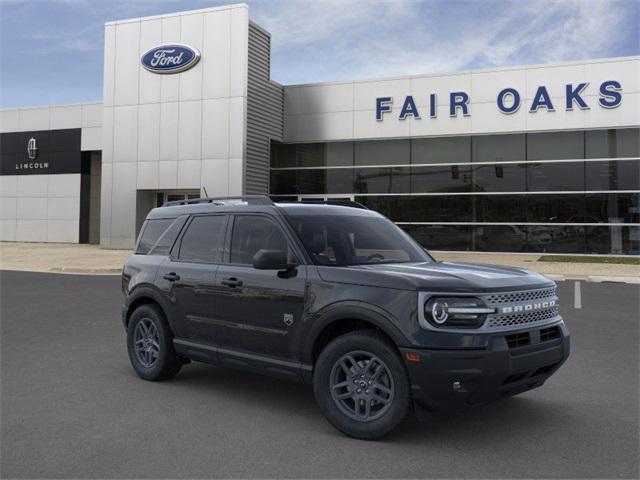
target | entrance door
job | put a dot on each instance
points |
(175, 196)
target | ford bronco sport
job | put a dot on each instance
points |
(340, 297)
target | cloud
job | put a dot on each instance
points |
(327, 40)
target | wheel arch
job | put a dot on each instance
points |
(346, 318)
(143, 296)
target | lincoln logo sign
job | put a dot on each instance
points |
(508, 101)
(172, 58)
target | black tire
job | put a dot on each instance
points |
(344, 414)
(162, 363)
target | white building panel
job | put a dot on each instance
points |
(65, 116)
(216, 63)
(125, 134)
(149, 83)
(91, 138)
(192, 35)
(149, 132)
(91, 115)
(33, 119)
(126, 63)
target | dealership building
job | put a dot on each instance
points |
(541, 158)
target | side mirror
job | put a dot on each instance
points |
(271, 260)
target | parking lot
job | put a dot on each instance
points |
(72, 406)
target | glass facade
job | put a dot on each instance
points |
(565, 192)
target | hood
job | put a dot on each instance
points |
(437, 276)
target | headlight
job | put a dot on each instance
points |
(460, 312)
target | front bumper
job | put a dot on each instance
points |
(455, 379)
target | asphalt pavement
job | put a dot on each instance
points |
(71, 406)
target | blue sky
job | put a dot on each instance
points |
(51, 50)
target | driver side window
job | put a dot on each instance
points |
(252, 233)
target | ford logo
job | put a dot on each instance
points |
(172, 58)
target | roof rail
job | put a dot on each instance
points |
(249, 199)
(342, 203)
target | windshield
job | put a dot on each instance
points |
(341, 240)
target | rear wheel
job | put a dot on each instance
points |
(150, 344)
(361, 385)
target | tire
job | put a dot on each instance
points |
(156, 358)
(366, 407)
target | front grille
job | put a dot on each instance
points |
(515, 297)
(516, 340)
(550, 333)
(517, 319)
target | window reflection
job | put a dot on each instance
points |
(500, 178)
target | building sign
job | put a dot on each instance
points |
(32, 148)
(508, 101)
(172, 58)
(43, 152)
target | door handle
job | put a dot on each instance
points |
(172, 277)
(232, 282)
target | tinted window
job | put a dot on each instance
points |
(555, 208)
(354, 240)
(382, 180)
(499, 148)
(613, 175)
(252, 233)
(445, 178)
(283, 155)
(203, 241)
(441, 150)
(167, 239)
(613, 143)
(496, 238)
(613, 208)
(615, 240)
(382, 152)
(441, 237)
(556, 239)
(151, 233)
(422, 208)
(499, 178)
(555, 145)
(561, 176)
(500, 208)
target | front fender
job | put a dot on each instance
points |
(354, 310)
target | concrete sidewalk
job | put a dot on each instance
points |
(91, 259)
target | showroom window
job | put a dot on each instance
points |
(499, 148)
(555, 145)
(441, 150)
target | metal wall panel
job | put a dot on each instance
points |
(265, 113)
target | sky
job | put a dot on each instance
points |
(51, 51)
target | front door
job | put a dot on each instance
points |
(258, 311)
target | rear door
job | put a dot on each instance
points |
(259, 310)
(189, 277)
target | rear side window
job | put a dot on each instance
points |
(204, 239)
(167, 239)
(151, 232)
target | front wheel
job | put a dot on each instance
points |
(361, 385)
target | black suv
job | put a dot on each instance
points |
(340, 297)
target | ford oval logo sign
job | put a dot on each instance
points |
(173, 58)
